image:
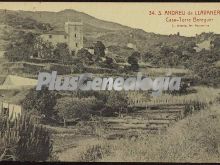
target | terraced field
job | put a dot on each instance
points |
(150, 120)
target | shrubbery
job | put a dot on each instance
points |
(201, 63)
(133, 61)
(21, 47)
(74, 108)
(95, 152)
(41, 103)
(193, 106)
(22, 140)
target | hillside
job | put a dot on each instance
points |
(95, 29)
(110, 33)
(143, 40)
(57, 19)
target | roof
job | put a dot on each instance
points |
(56, 33)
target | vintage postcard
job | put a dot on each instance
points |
(110, 82)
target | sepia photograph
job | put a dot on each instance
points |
(110, 82)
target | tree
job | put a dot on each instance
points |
(21, 47)
(99, 50)
(74, 108)
(62, 52)
(189, 46)
(44, 48)
(147, 57)
(117, 101)
(85, 56)
(41, 102)
(109, 63)
(216, 43)
(133, 61)
(207, 74)
(165, 50)
(172, 59)
(64, 107)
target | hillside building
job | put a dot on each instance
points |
(72, 36)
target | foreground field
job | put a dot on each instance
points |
(193, 139)
(196, 138)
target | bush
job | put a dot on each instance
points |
(133, 61)
(95, 152)
(193, 106)
(41, 103)
(23, 140)
(71, 109)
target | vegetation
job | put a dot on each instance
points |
(44, 49)
(21, 47)
(202, 63)
(61, 52)
(117, 102)
(216, 43)
(133, 61)
(41, 103)
(194, 139)
(99, 50)
(85, 57)
(94, 153)
(70, 109)
(22, 140)
(52, 107)
(25, 23)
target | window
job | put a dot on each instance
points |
(50, 36)
(76, 44)
(65, 37)
(75, 35)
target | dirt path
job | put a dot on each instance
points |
(74, 152)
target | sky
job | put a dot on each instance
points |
(135, 15)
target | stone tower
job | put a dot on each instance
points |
(74, 31)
